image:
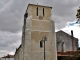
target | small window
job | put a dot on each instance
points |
(43, 11)
(26, 15)
(37, 11)
(40, 44)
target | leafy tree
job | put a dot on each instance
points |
(78, 14)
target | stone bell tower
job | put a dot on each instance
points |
(37, 25)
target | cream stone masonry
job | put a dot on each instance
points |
(37, 25)
(36, 28)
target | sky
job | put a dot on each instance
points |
(11, 20)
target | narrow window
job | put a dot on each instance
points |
(43, 11)
(26, 15)
(40, 44)
(37, 11)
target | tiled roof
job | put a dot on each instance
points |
(8, 56)
(68, 53)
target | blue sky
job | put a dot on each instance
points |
(12, 14)
(75, 27)
(74, 23)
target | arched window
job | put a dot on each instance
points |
(43, 11)
(37, 11)
(62, 46)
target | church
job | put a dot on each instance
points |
(38, 35)
(39, 39)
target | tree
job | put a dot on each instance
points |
(78, 15)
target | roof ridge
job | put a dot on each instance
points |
(66, 33)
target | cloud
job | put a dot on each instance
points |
(11, 15)
(9, 41)
(13, 11)
(64, 11)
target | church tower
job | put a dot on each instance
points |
(38, 26)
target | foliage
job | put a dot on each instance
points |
(78, 16)
(78, 13)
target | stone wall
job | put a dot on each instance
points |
(6, 58)
(18, 54)
(34, 29)
(65, 39)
